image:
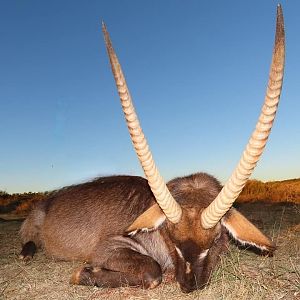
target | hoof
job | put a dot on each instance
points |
(28, 251)
(153, 284)
(26, 258)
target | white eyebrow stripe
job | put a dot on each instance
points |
(179, 252)
(203, 254)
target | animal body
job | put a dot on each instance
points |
(130, 230)
(89, 222)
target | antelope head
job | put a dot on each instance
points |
(195, 210)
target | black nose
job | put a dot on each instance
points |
(187, 288)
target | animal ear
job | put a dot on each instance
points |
(245, 232)
(150, 220)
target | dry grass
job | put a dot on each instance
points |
(272, 191)
(241, 275)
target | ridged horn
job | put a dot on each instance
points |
(231, 190)
(158, 186)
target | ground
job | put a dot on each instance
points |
(241, 275)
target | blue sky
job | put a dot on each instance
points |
(197, 71)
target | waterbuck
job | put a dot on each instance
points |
(130, 229)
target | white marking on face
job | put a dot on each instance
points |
(203, 254)
(179, 252)
(188, 268)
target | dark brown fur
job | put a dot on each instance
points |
(88, 222)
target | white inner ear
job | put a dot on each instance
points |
(233, 233)
(159, 221)
(132, 233)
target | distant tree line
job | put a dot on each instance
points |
(272, 191)
(255, 190)
(19, 204)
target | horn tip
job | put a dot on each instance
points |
(103, 26)
(279, 9)
(106, 35)
(279, 25)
